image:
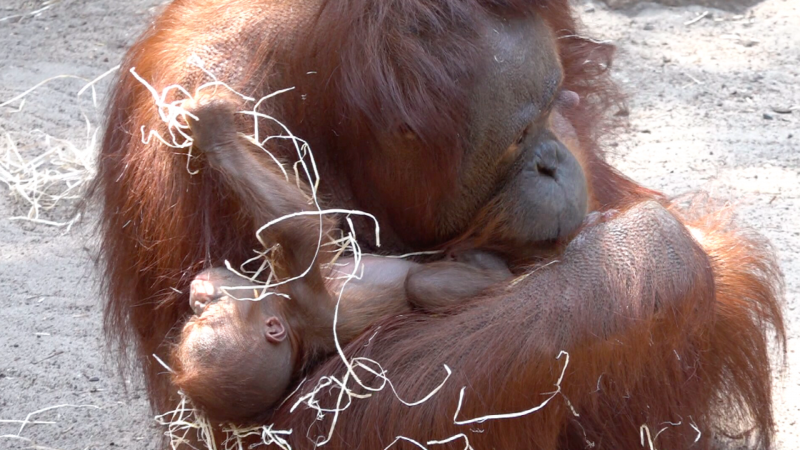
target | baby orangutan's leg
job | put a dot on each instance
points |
(444, 284)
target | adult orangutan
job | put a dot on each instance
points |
(441, 118)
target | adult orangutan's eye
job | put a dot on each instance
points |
(522, 137)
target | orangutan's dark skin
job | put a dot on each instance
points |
(459, 124)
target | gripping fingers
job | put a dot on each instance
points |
(215, 127)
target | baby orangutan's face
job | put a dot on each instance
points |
(215, 307)
(233, 359)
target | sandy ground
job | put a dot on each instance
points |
(703, 102)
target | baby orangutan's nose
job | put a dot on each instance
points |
(201, 293)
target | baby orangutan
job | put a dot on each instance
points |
(237, 358)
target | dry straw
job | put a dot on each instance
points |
(51, 177)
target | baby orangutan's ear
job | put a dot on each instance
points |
(275, 330)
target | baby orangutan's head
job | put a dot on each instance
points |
(234, 359)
